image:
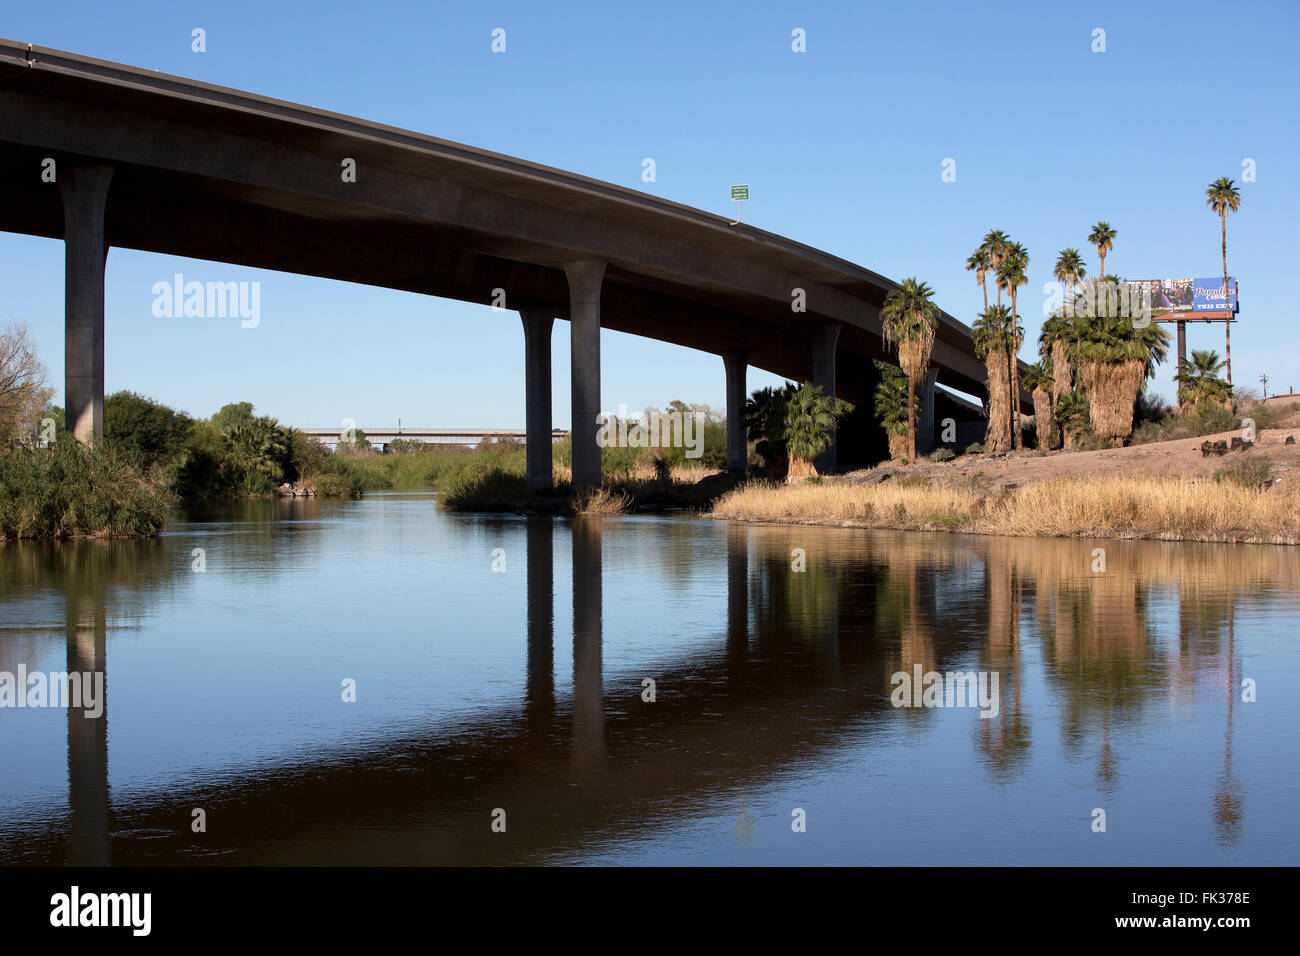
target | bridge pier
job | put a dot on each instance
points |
(538, 322)
(85, 193)
(824, 342)
(737, 452)
(585, 277)
(925, 421)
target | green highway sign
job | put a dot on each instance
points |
(739, 192)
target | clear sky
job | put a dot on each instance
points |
(843, 146)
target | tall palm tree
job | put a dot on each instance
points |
(908, 320)
(1222, 196)
(979, 263)
(1068, 271)
(1103, 237)
(1054, 341)
(1012, 274)
(992, 335)
(996, 244)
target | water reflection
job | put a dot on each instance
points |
(791, 676)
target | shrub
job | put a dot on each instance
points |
(73, 489)
(974, 448)
(942, 454)
(1251, 472)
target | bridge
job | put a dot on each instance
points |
(102, 154)
(428, 436)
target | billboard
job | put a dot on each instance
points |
(1188, 298)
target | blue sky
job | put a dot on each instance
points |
(842, 146)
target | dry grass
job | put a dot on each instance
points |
(1173, 509)
(602, 501)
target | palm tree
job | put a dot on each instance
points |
(1114, 358)
(1222, 196)
(1054, 341)
(996, 244)
(980, 263)
(1072, 416)
(1012, 275)
(1038, 379)
(992, 334)
(765, 413)
(1198, 379)
(1103, 237)
(908, 321)
(891, 408)
(809, 420)
(1068, 271)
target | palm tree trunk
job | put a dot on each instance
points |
(1227, 323)
(911, 420)
(984, 286)
(1017, 439)
(1102, 256)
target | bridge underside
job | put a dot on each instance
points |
(180, 168)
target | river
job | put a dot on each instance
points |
(377, 682)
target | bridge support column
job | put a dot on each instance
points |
(825, 339)
(925, 421)
(538, 322)
(85, 194)
(585, 277)
(737, 453)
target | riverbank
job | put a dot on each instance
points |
(1162, 491)
(73, 490)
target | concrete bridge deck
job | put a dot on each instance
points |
(165, 164)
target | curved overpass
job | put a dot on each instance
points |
(165, 164)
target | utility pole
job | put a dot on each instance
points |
(1264, 379)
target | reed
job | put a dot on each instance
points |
(1164, 508)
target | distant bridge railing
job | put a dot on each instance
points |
(380, 437)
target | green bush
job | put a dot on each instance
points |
(1250, 472)
(488, 490)
(73, 489)
(942, 454)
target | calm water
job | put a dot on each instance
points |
(520, 689)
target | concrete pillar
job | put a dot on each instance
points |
(925, 421)
(538, 322)
(85, 192)
(737, 453)
(585, 277)
(824, 341)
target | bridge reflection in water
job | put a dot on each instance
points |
(799, 670)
